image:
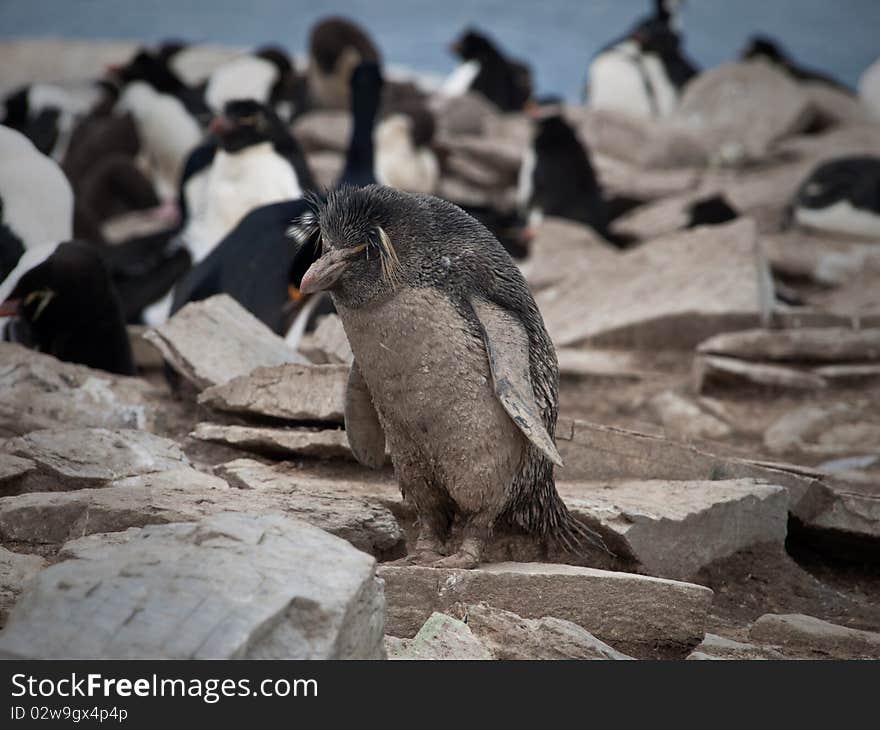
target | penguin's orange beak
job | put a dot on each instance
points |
(325, 272)
(10, 307)
(221, 125)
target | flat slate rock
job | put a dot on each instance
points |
(509, 636)
(191, 344)
(750, 104)
(38, 391)
(715, 370)
(231, 586)
(808, 632)
(328, 343)
(805, 345)
(714, 646)
(638, 615)
(295, 392)
(365, 521)
(441, 638)
(280, 442)
(184, 494)
(597, 453)
(16, 571)
(81, 458)
(685, 420)
(673, 529)
(592, 363)
(672, 294)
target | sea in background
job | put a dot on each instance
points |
(557, 37)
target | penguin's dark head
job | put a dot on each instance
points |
(760, 46)
(68, 289)
(656, 36)
(278, 58)
(473, 46)
(17, 108)
(333, 39)
(148, 68)
(168, 49)
(244, 123)
(554, 131)
(367, 240)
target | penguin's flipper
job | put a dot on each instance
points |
(365, 434)
(507, 346)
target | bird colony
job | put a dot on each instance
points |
(364, 367)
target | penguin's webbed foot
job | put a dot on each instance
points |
(457, 560)
(468, 555)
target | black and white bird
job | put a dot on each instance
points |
(266, 76)
(642, 73)
(712, 210)
(167, 113)
(336, 47)
(257, 161)
(841, 196)
(36, 201)
(46, 113)
(771, 51)
(557, 178)
(257, 263)
(485, 69)
(66, 306)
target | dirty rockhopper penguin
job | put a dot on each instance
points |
(452, 366)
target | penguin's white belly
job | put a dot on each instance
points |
(37, 198)
(32, 257)
(247, 77)
(460, 80)
(526, 183)
(238, 183)
(408, 169)
(664, 91)
(428, 374)
(167, 132)
(842, 217)
(616, 82)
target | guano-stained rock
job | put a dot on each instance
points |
(509, 636)
(91, 457)
(38, 391)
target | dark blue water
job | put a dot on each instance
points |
(557, 37)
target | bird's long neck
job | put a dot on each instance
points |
(365, 107)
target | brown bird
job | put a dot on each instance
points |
(453, 366)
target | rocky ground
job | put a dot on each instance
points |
(726, 445)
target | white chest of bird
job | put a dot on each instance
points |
(167, 132)
(236, 184)
(399, 163)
